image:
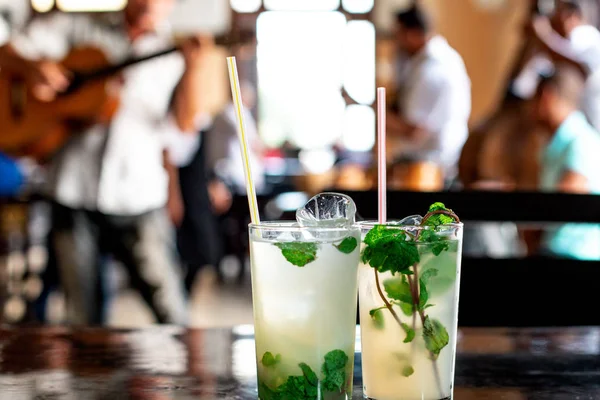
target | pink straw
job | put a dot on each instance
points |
(381, 153)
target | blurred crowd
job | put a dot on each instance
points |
(137, 171)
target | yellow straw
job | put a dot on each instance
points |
(234, 80)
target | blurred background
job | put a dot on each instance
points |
(309, 72)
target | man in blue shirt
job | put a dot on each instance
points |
(11, 177)
(570, 163)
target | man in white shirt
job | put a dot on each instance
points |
(434, 95)
(566, 38)
(109, 182)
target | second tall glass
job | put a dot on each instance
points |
(408, 296)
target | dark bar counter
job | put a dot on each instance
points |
(175, 363)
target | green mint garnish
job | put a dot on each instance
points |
(423, 282)
(407, 308)
(306, 386)
(268, 360)
(435, 336)
(309, 374)
(396, 251)
(407, 371)
(377, 317)
(388, 250)
(334, 371)
(303, 387)
(298, 253)
(398, 289)
(348, 245)
(438, 219)
(410, 333)
(438, 244)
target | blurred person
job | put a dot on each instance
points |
(434, 96)
(567, 38)
(208, 182)
(199, 237)
(223, 156)
(569, 164)
(109, 183)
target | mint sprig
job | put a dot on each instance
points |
(347, 245)
(298, 253)
(394, 250)
(306, 386)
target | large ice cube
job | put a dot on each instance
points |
(327, 210)
(411, 220)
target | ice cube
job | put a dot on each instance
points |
(327, 210)
(414, 220)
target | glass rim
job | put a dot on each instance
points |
(292, 226)
(395, 224)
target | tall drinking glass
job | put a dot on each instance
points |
(408, 295)
(304, 289)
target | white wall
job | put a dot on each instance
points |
(189, 15)
(211, 16)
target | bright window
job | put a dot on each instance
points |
(90, 5)
(300, 77)
(302, 5)
(359, 128)
(359, 61)
(245, 6)
(358, 6)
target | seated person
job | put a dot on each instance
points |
(569, 163)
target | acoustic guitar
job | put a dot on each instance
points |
(29, 127)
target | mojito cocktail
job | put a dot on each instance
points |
(304, 289)
(408, 294)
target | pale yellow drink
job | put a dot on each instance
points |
(304, 314)
(391, 368)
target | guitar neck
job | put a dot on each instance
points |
(113, 69)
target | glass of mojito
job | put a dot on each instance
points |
(304, 289)
(408, 295)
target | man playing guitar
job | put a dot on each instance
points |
(109, 183)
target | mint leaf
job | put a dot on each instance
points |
(303, 387)
(309, 374)
(439, 219)
(435, 336)
(377, 317)
(427, 275)
(268, 360)
(423, 281)
(389, 250)
(438, 244)
(334, 371)
(298, 253)
(410, 333)
(398, 289)
(407, 371)
(266, 393)
(407, 308)
(348, 245)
